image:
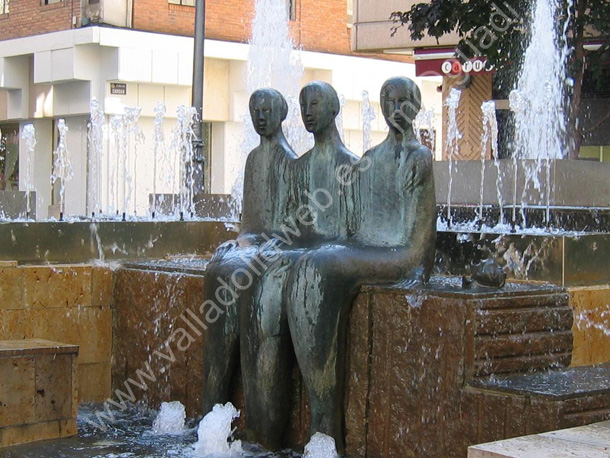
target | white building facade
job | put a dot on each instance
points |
(54, 76)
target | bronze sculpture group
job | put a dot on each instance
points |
(314, 229)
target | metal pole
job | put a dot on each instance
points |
(197, 97)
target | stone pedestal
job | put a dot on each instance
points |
(38, 396)
(416, 360)
(413, 352)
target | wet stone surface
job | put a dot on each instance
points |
(130, 435)
(452, 287)
(195, 265)
(557, 384)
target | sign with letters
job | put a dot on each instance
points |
(443, 62)
(455, 67)
(118, 88)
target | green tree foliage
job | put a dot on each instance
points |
(500, 31)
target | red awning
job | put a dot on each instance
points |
(441, 62)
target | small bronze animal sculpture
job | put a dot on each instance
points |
(486, 273)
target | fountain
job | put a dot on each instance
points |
(62, 168)
(555, 239)
(452, 146)
(29, 135)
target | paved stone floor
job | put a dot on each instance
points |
(591, 441)
(129, 436)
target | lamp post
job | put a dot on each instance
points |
(197, 98)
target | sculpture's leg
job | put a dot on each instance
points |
(220, 344)
(266, 356)
(319, 295)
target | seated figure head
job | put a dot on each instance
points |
(268, 109)
(319, 106)
(400, 103)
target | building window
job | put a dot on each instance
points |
(3, 6)
(182, 2)
(350, 12)
(291, 9)
(51, 2)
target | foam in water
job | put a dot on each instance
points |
(215, 432)
(321, 446)
(170, 419)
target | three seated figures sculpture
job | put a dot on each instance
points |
(314, 229)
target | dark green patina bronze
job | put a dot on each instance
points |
(351, 222)
(231, 279)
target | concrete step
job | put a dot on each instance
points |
(591, 441)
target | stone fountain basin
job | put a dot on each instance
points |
(565, 259)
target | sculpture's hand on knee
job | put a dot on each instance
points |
(223, 249)
(272, 246)
(416, 277)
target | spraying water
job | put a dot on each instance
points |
(539, 97)
(131, 117)
(62, 167)
(368, 116)
(453, 137)
(214, 433)
(114, 158)
(539, 102)
(271, 63)
(159, 150)
(171, 418)
(424, 124)
(183, 144)
(339, 118)
(321, 446)
(29, 136)
(95, 136)
(490, 135)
